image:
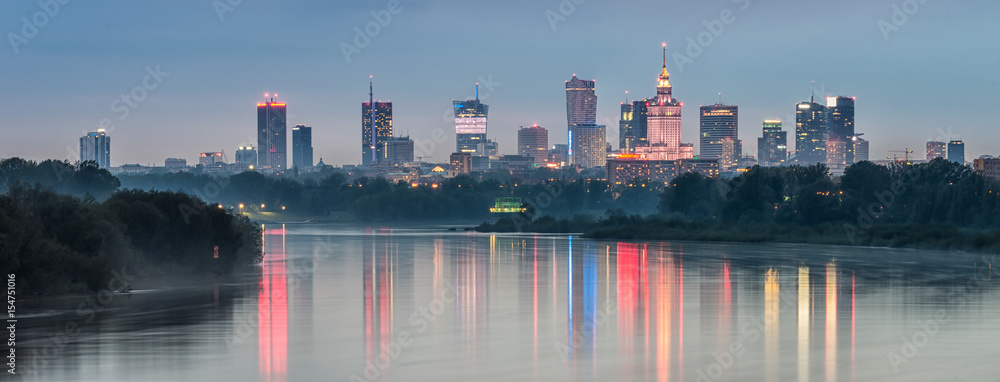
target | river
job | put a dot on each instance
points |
(351, 303)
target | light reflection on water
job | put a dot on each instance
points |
(341, 303)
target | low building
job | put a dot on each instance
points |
(988, 167)
(622, 169)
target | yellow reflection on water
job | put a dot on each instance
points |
(771, 315)
(803, 324)
(831, 321)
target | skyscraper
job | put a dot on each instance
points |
(302, 149)
(246, 155)
(399, 150)
(96, 146)
(533, 141)
(840, 126)
(772, 147)
(860, 149)
(272, 139)
(956, 151)
(936, 149)
(591, 145)
(663, 120)
(581, 109)
(373, 139)
(717, 122)
(626, 134)
(470, 124)
(810, 132)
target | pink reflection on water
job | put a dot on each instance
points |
(272, 309)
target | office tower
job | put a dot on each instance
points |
(840, 127)
(302, 148)
(956, 151)
(399, 150)
(558, 153)
(936, 149)
(581, 109)
(640, 110)
(728, 155)
(470, 124)
(860, 149)
(591, 145)
(810, 132)
(373, 139)
(772, 147)
(663, 120)
(626, 134)
(246, 155)
(175, 163)
(488, 148)
(211, 158)
(96, 146)
(717, 122)
(533, 141)
(461, 163)
(272, 139)
(836, 153)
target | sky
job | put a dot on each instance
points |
(191, 72)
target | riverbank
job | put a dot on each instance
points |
(917, 236)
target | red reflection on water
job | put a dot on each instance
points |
(272, 309)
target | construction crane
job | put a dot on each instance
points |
(906, 154)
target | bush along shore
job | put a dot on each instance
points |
(934, 205)
(64, 244)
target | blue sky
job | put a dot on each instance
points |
(933, 78)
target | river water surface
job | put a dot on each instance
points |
(349, 303)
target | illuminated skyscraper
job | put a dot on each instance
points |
(302, 150)
(717, 122)
(956, 151)
(96, 146)
(663, 120)
(373, 140)
(591, 145)
(810, 132)
(772, 148)
(936, 149)
(272, 140)
(581, 109)
(840, 127)
(470, 124)
(533, 141)
(626, 134)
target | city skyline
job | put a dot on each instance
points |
(890, 119)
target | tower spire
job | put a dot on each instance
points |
(664, 55)
(812, 92)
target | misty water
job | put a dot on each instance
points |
(343, 303)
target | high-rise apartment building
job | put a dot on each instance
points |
(96, 146)
(936, 149)
(591, 145)
(399, 151)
